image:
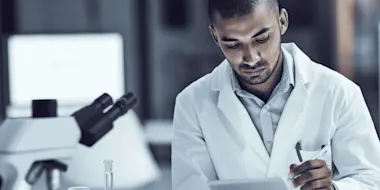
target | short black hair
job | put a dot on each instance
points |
(235, 8)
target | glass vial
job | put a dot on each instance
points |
(108, 175)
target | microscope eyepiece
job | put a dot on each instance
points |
(102, 123)
(120, 108)
(125, 103)
(94, 110)
(103, 101)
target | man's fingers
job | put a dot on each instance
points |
(309, 165)
(292, 167)
(312, 175)
(325, 183)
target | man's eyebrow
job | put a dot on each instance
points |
(228, 39)
(262, 31)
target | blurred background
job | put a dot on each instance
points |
(73, 50)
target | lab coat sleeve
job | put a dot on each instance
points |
(192, 167)
(356, 147)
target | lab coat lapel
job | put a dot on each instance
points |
(286, 134)
(255, 155)
(287, 131)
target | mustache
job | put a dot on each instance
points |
(246, 66)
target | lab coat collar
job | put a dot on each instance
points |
(288, 73)
(221, 76)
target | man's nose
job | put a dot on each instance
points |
(251, 57)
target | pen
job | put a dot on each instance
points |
(315, 157)
(298, 149)
(320, 153)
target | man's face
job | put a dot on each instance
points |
(251, 43)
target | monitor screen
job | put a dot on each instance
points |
(72, 68)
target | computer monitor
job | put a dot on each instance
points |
(72, 68)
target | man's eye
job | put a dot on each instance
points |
(235, 46)
(262, 40)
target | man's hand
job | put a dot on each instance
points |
(312, 174)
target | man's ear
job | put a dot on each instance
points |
(284, 21)
(213, 34)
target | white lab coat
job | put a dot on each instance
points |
(214, 137)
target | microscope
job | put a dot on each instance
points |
(30, 147)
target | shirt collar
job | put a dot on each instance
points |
(287, 78)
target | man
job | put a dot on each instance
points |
(268, 110)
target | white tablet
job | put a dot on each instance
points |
(273, 183)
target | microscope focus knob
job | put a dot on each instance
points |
(56, 165)
(44, 108)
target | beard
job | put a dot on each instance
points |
(261, 76)
(255, 80)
